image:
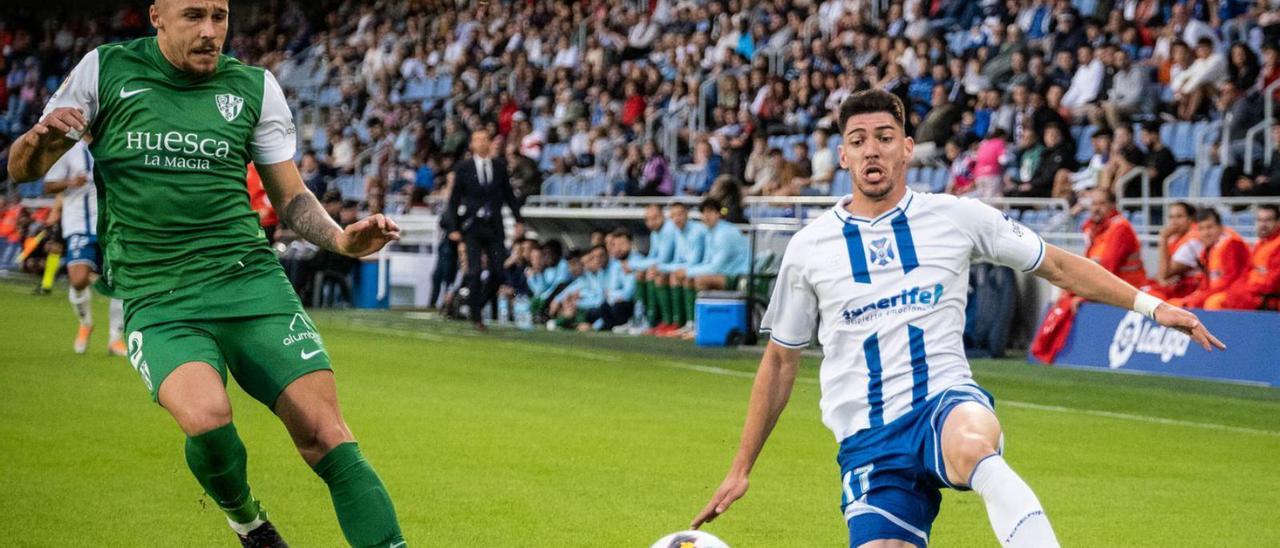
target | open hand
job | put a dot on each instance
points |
(731, 489)
(367, 235)
(63, 122)
(1186, 322)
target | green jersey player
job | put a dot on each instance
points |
(174, 125)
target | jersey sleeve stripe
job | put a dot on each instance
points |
(1039, 258)
(788, 344)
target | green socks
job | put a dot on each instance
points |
(364, 509)
(690, 299)
(664, 303)
(218, 460)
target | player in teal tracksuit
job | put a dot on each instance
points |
(669, 278)
(727, 258)
(582, 300)
(662, 248)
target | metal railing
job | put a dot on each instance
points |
(1144, 178)
(1268, 141)
(1202, 160)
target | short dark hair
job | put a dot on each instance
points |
(1190, 209)
(709, 204)
(621, 232)
(681, 205)
(1275, 210)
(598, 247)
(870, 101)
(1108, 195)
(1207, 214)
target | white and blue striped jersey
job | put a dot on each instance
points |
(79, 205)
(887, 296)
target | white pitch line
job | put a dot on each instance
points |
(386, 329)
(1017, 404)
(1140, 418)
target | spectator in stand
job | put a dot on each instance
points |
(669, 278)
(1111, 242)
(962, 163)
(1194, 87)
(1127, 95)
(1160, 162)
(1225, 260)
(1088, 176)
(526, 180)
(1030, 153)
(656, 179)
(1124, 156)
(1239, 113)
(824, 164)
(988, 165)
(938, 126)
(726, 260)
(1263, 277)
(1266, 182)
(1179, 271)
(1086, 83)
(662, 246)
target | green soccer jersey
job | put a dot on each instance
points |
(170, 151)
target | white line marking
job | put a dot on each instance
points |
(1016, 404)
(1140, 418)
(386, 328)
(367, 326)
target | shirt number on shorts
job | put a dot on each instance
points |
(135, 358)
(863, 474)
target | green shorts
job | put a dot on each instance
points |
(248, 322)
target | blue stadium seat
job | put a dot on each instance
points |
(914, 176)
(1084, 143)
(1166, 133)
(1184, 142)
(841, 184)
(1180, 184)
(941, 176)
(1211, 182)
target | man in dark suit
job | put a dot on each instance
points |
(474, 217)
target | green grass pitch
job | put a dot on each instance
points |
(562, 439)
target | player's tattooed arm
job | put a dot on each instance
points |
(303, 213)
(305, 216)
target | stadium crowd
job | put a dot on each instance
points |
(715, 99)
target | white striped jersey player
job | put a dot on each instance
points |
(888, 298)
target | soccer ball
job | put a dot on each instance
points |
(690, 539)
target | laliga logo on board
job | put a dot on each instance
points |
(1136, 334)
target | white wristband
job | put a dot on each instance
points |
(1145, 304)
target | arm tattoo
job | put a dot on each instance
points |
(307, 217)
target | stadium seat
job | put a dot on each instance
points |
(841, 184)
(1179, 184)
(1211, 182)
(941, 177)
(1184, 142)
(1084, 143)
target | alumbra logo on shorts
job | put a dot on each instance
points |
(307, 333)
(1138, 334)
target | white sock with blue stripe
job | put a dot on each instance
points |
(1015, 513)
(81, 302)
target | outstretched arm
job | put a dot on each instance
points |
(1090, 281)
(35, 151)
(303, 214)
(769, 395)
